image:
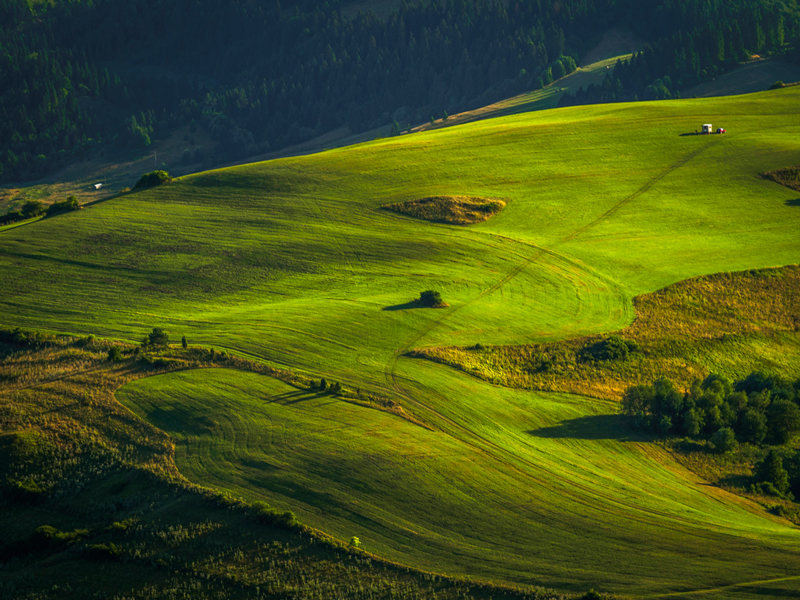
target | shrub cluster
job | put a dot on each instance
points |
(153, 179)
(612, 348)
(67, 205)
(32, 208)
(25, 338)
(264, 513)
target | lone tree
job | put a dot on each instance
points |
(184, 343)
(156, 339)
(431, 298)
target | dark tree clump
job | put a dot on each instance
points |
(156, 339)
(755, 409)
(431, 298)
(153, 179)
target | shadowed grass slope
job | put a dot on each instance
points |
(542, 489)
(93, 506)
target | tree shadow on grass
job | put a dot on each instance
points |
(771, 591)
(406, 306)
(181, 421)
(795, 202)
(296, 396)
(598, 427)
(736, 481)
(261, 465)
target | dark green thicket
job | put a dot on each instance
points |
(153, 179)
(757, 409)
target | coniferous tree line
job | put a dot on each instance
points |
(78, 74)
(681, 59)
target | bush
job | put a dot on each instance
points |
(114, 354)
(157, 339)
(121, 526)
(47, 537)
(103, 552)
(153, 179)
(431, 298)
(264, 513)
(32, 208)
(613, 348)
(67, 205)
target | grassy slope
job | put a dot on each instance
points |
(89, 464)
(498, 492)
(290, 260)
(729, 323)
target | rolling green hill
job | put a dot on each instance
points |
(293, 261)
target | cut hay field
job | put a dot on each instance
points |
(294, 262)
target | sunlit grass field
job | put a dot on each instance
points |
(293, 261)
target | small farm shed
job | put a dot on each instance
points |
(97, 186)
(708, 128)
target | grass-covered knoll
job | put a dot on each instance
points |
(788, 176)
(728, 323)
(92, 502)
(293, 262)
(454, 210)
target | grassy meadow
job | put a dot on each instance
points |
(293, 262)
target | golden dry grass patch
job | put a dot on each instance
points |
(453, 210)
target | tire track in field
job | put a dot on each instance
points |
(642, 190)
(731, 587)
(541, 250)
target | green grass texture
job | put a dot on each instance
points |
(293, 261)
(544, 489)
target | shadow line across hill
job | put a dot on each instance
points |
(406, 305)
(596, 427)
